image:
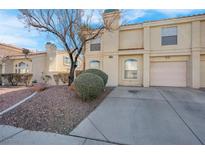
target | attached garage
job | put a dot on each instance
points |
(202, 72)
(171, 73)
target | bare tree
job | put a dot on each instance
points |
(73, 28)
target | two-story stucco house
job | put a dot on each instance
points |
(50, 62)
(169, 52)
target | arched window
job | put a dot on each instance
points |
(22, 68)
(95, 64)
(130, 69)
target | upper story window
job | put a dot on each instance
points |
(95, 64)
(95, 44)
(169, 36)
(66, 60)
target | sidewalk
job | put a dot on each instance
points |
(18, 136)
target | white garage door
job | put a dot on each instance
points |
(168, 74)
(202, 76)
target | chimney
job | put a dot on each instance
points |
(51, 56)
(50, 47)
(112, 18)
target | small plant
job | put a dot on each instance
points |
(100, 73)
(88, 86)
(64, 77)
(15, 78)
(56, 78)
(26, 78)
(46, 78)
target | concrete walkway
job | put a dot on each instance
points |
(17, 136)
(131, 115)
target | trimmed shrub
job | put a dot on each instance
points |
(100, 73)
(15, 78)
(88, 86)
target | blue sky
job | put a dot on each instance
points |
(13, 31)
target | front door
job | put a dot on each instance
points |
(130, 73)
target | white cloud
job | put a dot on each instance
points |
(130, 15)
(94, 16)
(17, 40)
(175, 12)
(13, 31)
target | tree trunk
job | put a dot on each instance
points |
(71, 75)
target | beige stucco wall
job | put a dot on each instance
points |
(135, 39)
(111, 39)
(9, 66)
(203, 34)
(60, 65)
(38, 67)
(111, 68)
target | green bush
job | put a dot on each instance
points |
(88, 86)
(100, 73)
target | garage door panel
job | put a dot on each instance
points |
(168, 74)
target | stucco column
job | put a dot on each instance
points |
(146, 69)
(146, 57)
(195, 56)
(3, 68)
(195, 63)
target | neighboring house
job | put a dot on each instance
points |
(169, 52)
(50, 62)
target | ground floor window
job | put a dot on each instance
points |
(130, 69)
(21, 68)
(95, 64)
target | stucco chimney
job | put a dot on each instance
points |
(51, 56)
(50, 47)
(112, 18)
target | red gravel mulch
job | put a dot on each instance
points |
(12, 95)
(57, 109)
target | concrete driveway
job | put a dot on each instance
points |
(131, 115)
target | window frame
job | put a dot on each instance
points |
(22, 69)
(124, 69)
(95, 42)
(165, 36)
(92, 62)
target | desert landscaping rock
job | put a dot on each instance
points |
(57, 109)
(12, 95)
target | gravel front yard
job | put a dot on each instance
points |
(12, 95)
(56, 109)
